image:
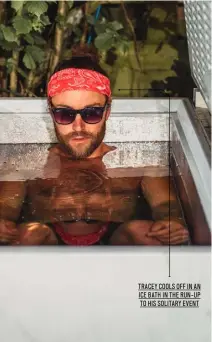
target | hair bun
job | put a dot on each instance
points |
(85, 51)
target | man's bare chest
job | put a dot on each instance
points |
(83, 194)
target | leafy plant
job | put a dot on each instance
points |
(33, 41)
(21, 39)
(36, 35)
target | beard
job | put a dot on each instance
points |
(84, 150)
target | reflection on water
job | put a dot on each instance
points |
(85, 198)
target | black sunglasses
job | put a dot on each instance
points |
(66, 115)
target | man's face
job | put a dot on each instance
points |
(80, 139)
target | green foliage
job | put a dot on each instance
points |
(9, 33)
(92, 6)
(123, 46)
(40, 41)
(17, 5)
(156, 35)
(9, 64)
(45, 20)
(9, 46)
(22, 73)
(36, 7)
(24, 33)
(38, 23)
(90, 19)
(70, 4)
(27, 39)
(115, 26)
(61, 20)
(22, 25)
(159, 14)
(105, 41)
(108, 35)
(29, 61)
(36, 52)
(34, 55)
(74, 17)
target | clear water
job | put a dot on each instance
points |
(41, 189)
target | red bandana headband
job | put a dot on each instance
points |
(78, 79)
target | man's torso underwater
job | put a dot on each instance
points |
(83, 190)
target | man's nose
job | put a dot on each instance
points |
(78, 123)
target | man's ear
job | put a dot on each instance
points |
(108, 110)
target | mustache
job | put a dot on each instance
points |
(79, 134)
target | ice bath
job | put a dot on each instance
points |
(150, 141)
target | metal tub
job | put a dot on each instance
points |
(162, 133)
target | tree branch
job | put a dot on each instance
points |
(58, 40)
(129, 22)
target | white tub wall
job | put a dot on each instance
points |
(119, 105)
(39, 128)
(28, 121)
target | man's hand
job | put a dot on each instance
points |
(162, 229)
(35, 234)
(8, 231)
(134, 232)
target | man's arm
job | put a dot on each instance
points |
(169, 226)
(161, 196)
(12, 195)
